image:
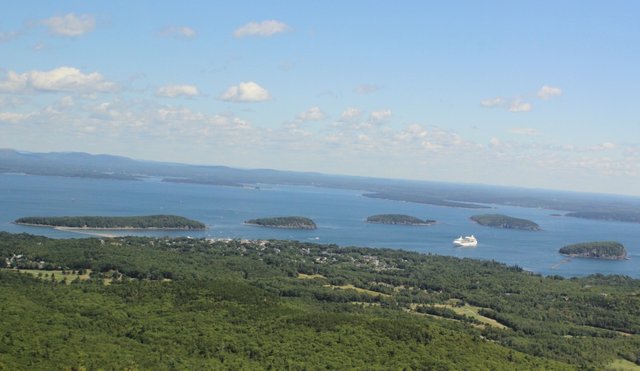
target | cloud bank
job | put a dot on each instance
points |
(246, 92)
(71, 25)
(173, 91)
(61, 79)
(261, 29)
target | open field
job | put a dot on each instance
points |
(472, 311)
(303, 276)
(622, 365)
(364, 291)
(58, 275)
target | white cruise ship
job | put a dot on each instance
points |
(468, 241)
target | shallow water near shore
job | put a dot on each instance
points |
(339, 214)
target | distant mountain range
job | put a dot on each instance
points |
(78, 164)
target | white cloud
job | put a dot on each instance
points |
(246, 92)
(519, 106)
(178, 31)
(605, 146)
(366, 88)
(198, 122)
(350, 113)
(380, 116)
(493, 102)
(411, 132)
(524, 131)
(14, 117)
(70, 24)
(172, 91)
(230, 122)
(62, 79)
(312, 114)
(262, 29)
(548, 92)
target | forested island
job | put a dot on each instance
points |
(505, 222)
(288, 222)
(610, 250)
(156, 303)
(114, 222)
(398, 219)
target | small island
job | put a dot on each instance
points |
(168, 222)
(398, 219)
(288, 222)
(609, 250)
(505, 222)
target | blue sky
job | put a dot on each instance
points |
(536, 94)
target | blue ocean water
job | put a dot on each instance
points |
(339, 214)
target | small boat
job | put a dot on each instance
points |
(468, 241)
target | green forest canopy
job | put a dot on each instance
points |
(504, 221)
(196, 304)
(599, 249)
(298, 222)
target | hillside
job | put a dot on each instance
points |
(154, 303)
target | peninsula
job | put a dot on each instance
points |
(168, 222)
(288, 222)
(505, 222)
(609, 250)
(398, 219)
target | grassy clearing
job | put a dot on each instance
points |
(364, 291)
(58, 275)
(617, 332)
(472, 311)
(622, 365)
(365, 304)
(465, 310)
(303, 276)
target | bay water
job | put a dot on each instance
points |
(340, 215)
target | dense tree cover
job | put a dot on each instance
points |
(114, 222)
(505, 222)
(292, 222)
(198, 304)
(398, 219)
(596, 250)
